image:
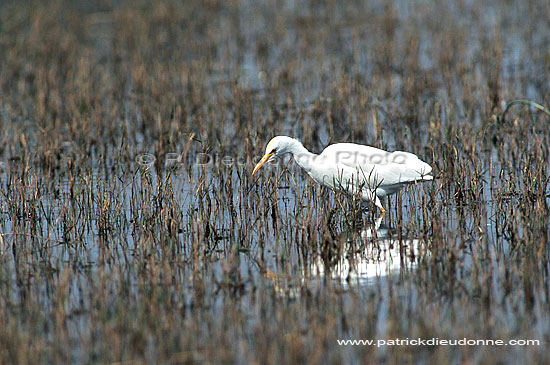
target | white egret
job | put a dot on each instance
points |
(355, 169)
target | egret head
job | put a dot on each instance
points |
(277, 147)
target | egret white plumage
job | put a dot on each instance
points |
(356, 169)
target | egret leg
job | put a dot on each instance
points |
(378, 203)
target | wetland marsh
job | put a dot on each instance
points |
(131, 229)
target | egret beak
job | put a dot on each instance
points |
(262, 162)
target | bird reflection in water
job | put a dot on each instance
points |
(377, 254)
(364, 257)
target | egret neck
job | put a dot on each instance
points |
(302, 156)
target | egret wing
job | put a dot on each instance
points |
(379, 166)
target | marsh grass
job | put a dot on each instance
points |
(104, 258)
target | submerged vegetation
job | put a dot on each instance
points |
(132, 229)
